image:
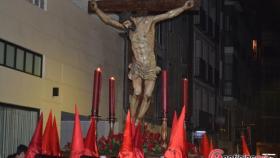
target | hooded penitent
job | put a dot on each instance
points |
(90, 141)
(138, 142)
(245, 149)
(55, 147)
(204, 146)
(77, 147)
(126, 150)
(177, 147)
(35, 146)
(46, 145)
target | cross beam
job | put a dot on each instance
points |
(117, 6)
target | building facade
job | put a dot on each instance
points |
(48, 53)
(49, 50)
(240, 77)
(221, 65)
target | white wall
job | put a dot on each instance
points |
(73, 44)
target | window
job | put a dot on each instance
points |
(228, 58)
(202, 18)
(210, 74)
(160, 33)
(40, 3)
(198, 49)
(17, 126)
(2, 50)
(228, 24)
(198, 55)
(28, 62)
(228, 72)
(216, 77)
(202, 69)
(227, 88)
(37, 65)
(20, 59)
(10, 56)
(196, 19)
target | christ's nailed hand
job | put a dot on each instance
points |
(189, 4)
(94, 4)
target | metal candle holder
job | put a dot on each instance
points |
(111, 125)
(96, 118)
(164, 132)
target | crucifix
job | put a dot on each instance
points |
(141, 31)
(151, 6)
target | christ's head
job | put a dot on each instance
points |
(129, 25)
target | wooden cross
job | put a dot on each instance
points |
(152, 6)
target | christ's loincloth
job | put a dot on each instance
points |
(145, 72)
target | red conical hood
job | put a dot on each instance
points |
(55, 147)
(35, 146)
(126, 150)
(138, 142)
(138, 138)
(245, 149)
(77, 147)
(46, 146)
(205, 146)
(133, 129)
(90, 141)
(177, 147)
(174, 122)
(127, 135)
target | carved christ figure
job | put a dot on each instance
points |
(143, 69)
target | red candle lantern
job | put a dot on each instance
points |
(164, 92)
(112, 98)
(96, 91)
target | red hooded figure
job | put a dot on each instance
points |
(245, 149)
(138, 142)
(126, 150)
(35, 146)
(46, 145)
(204, 146)
(174, 122)
(90, 141)
(55, 147)
(77, 147)
(177, 146)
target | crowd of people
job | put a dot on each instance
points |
(20, 153)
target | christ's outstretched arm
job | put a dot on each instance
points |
(105, 18)
(175, 12)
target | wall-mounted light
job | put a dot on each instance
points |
(254, 48)
(268, 154)
(199, 134)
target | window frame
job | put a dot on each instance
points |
(16, 59)
(4, 50)
(6, 56)
(25, 51)
(44, 7)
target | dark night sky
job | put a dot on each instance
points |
(267, 13)
(266, 17)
